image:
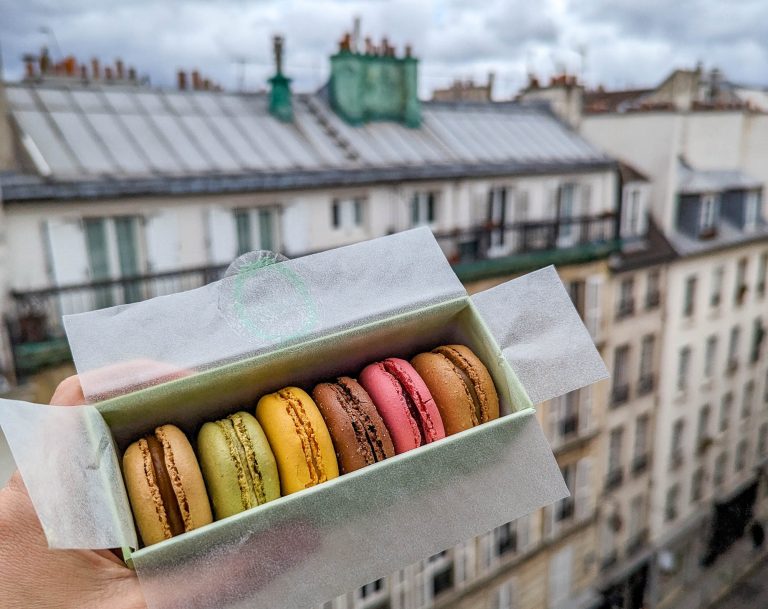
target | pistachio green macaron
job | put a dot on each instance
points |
(238, 465)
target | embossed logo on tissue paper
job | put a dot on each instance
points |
(263, 297)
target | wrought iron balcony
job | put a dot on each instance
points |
(645, 384)
(637, 542)
(493, 247)
(614, 479)
(640, 464)
(34, 321)
(619, 395)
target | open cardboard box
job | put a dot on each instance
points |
(306, 548)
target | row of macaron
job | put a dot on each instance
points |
(296, 441)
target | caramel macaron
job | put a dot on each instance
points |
(165, 485)
(461, 386)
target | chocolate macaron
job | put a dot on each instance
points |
(357, 430)
(461, 386)
(165, 486)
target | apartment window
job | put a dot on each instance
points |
(640, 455)
(758, 334)
(697, 485)
(503, 597)
(741, 456)
(720, 464)
(689, 298)
(653, 290)
(567, 418)
(670, 506)
(621, 375)
(255, 230)
(708, 215)
(645, 383)
(565, 213)
(496, 215)
(717, 286)
(740, 289)
(615, 470)
(113, 251)
(747, 399)
(423, 208)
(762, 441)
(442, 576)
(676, 450)
(683, 367)
(505, 539)
(709, 357)
(762, 270)
(565, 507)
(626, 304)
(347, 213)
(726, 406)
(702, 433)
(636, 516)
(751, 207)
(733, 349)
(765, 390)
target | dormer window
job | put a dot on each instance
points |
(708, 215)
(751, 207)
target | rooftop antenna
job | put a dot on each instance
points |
(241, 63)
(52, 39)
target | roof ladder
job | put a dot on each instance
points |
(331, 131)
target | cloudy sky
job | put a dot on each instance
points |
(616, 43)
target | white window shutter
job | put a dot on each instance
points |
(560, 566)
(583, 496)
(222, 236)
(585, 408)
(69, 255)
(593, 306)
(523, 532)
(551, 526)
(485, 544)
(161, 233)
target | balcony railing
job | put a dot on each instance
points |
(637, 542)
(493, 240)
(614, 479)
(619, 395)
(640, 464)
(35, 315)
(652, 299)
(626, 308)
(645, 384)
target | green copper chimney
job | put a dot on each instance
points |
(280, 99)
(374, 85)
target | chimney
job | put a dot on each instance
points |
(95, 69)
(108, 73)
(181, 79)
(356, 35)
(391, 80)
(132, 74)
(119, 69)
(29, 65)
(45, 61)
(83, 72)
(196, 80)
(280, 98)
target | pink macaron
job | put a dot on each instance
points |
(404, 402)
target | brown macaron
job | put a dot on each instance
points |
(165, 486)
(357, 430)
(461, 386)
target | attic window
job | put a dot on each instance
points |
(708, 215)
(751, 205)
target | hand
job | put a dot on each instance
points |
(34, 576)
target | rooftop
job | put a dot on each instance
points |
(106, 139)
(697, 181)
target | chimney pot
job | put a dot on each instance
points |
(369, 50)
(83, 72)
(132, 73)
(181, 79)
(207, 84)
(119, 69)
(196, 81)
(408, 50)
(278, 43)
(108, 73)
(95, 69)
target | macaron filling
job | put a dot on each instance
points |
(419, 416)
(306, 435)
(165, 486)
(243, 458)
(365, 430)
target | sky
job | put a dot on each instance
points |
(615, 43)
